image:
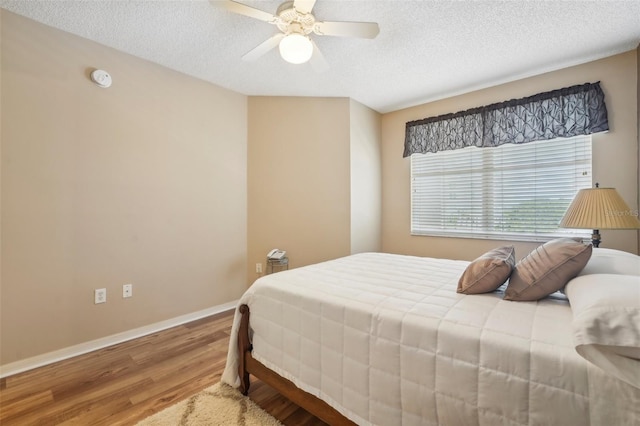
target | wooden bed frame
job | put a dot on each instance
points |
(248, 365)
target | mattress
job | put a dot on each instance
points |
(386, 340)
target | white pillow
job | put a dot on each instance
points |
(606, 322)
(610, 261)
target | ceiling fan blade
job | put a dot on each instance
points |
(317, 59)
(245, 10)
(303, 6)
(347, 29)
(263, 48)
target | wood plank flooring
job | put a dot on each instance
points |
(124, 383)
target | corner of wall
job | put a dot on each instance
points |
(638, 122)
(366, 178)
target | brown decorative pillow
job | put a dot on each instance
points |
(547, 269)
(488, 272)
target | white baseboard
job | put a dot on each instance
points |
(83, 348)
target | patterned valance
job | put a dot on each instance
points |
(562, 113)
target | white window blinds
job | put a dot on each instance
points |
(515, 192)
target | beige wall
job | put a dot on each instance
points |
(615, 154)
(366, 179)
(142, 183)
(298, 179)
(305, 190)
(181, 187)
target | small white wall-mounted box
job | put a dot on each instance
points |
(100, 295)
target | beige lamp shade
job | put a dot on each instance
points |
(599, 208)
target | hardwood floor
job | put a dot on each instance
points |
(124, 383)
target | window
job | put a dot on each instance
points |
(514, 192)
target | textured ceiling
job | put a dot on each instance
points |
(426, 50)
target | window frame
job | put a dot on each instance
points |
(582, 162)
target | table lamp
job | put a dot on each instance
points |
(599, 208)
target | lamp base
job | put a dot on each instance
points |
(595, 238)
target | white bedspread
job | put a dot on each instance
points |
(386, 340)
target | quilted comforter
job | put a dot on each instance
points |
(386, 340)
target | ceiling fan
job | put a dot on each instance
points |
(296, 22)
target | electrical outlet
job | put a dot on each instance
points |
(127, 290)
(100, 296)
(258, 268)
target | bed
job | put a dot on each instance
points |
(384, 339)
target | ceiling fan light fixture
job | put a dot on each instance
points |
(296, 48)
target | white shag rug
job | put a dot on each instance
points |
(219, 404)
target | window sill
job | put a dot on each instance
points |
(537, 238)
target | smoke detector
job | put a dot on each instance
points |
(101, 78)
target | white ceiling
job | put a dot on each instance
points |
(426, 50)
